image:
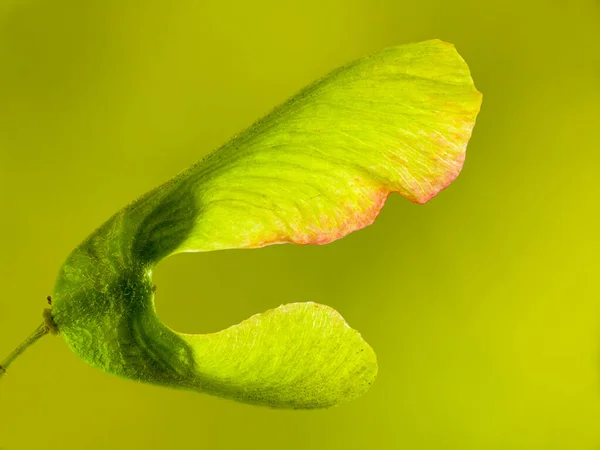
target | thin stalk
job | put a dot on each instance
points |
(42, 330)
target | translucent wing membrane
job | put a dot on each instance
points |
(321, 165)
(300, 355)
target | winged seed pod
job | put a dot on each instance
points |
(315, 169)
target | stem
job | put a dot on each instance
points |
(32, 339)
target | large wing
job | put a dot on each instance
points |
(322, 165)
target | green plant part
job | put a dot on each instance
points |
(315, 169)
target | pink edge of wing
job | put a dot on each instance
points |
(450, 157)
(357, 218)
(454, 147)
(454, 164)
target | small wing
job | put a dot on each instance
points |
(300, 355)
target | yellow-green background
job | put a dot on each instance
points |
(483, 305)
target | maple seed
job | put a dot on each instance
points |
(396, 121)
(49, 298)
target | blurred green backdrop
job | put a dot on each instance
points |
(482, 305)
